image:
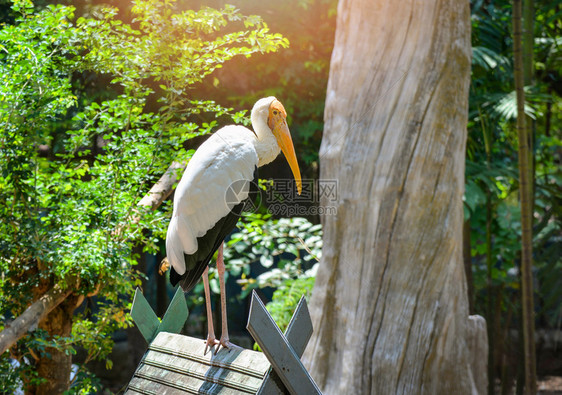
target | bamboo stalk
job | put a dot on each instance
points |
(526, 209)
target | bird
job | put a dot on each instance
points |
(218, 181)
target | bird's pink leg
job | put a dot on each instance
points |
(225, 341)
(211, 339)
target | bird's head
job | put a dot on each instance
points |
(271, 111)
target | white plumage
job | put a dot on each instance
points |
(208, 198)
(228, 156)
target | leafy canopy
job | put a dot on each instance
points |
(492, 179)
(73, 166)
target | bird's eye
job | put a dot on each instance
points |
(274, 112)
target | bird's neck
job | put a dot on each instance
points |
(266, 144)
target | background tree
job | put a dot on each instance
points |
(297, 75)
(492, 185)
(74, 168)
(524, 137)
(389, 306)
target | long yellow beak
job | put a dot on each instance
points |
(278, 124)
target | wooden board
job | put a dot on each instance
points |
(175, 364)
(148, 323)
(279, 351)
(298, 333)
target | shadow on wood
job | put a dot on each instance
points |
(176, 364)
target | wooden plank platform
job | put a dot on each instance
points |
(175, 364)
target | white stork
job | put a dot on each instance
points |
(211, 195)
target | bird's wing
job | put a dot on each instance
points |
(215, 180)
(196, 263)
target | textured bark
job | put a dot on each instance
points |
(54, 365)
(38, 311)
(163, 187)
(467, 258)
(390, 305)
(478, 346)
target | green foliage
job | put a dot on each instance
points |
(284, 246)
(71, 212)
(297, 76)
(10, 375)
(83, 383)
(491, 171)
(286, 298)
(492, 179)
(288, 249)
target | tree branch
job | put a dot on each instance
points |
(31, 317)
(35, 313)
(163, 187)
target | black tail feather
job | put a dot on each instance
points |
(209, 243)
(174, 277)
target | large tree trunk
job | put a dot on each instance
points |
(53, 364)
(390, 306)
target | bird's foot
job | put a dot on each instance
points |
(210, 343)
(164, 266)
(225, 343)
